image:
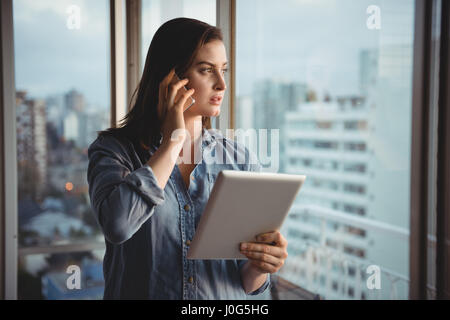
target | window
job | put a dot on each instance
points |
(355, 125)
(349, 208)
(62, 99)
(324, 124)
(355, 146)
(335, 78)
(354, 167)
(354, 188)
(356, 231)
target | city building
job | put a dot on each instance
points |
(31, 144)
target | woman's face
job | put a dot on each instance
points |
(207, 77)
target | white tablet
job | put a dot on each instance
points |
(242, 205)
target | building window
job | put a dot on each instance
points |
(354, 188)
(359, 125)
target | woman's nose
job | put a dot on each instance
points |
(220, 82)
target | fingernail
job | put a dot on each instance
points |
(243, 246)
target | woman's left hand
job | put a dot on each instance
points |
(268, 254)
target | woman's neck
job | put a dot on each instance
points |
(194, 128)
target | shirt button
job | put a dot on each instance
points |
(191, 280)
(186, 207)
(188, 242)
(192, 178)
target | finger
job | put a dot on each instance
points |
(263, 257)
(263, 267)
(169, 77)
(184, 97)
(163, 87)
(272, 237)
(265, 248)
(173, 90)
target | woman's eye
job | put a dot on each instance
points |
(212, 70)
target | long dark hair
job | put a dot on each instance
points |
(174, 45)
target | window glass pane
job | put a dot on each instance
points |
(335, 78)
(62, 80)
(156, 12)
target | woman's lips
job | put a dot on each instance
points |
(216, 100)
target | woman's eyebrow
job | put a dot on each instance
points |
(210, 63)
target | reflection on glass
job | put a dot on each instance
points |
(335, 78)
(62, 99)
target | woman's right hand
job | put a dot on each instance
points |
(170, 112)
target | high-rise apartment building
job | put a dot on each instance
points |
(31, 144)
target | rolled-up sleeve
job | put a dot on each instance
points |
(143, 180)
(122, 200)
(261, 289)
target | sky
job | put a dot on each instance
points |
(50, 58)
(313, 41)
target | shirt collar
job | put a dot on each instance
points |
(208, 137)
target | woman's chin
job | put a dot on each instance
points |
(213, 112)
(210, 111)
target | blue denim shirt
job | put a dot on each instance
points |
(147, 229)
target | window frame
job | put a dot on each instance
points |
(420, 150)
(226, 21)
(443, 162)
(117, 61)
(133, 47)
(430, 170)
(8, 151)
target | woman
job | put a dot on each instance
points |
(147, 205)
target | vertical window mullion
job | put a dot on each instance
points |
(8, 189)
(118, 67)
(226, 22)
(133, 43)
(420, 150)
(443, 173)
